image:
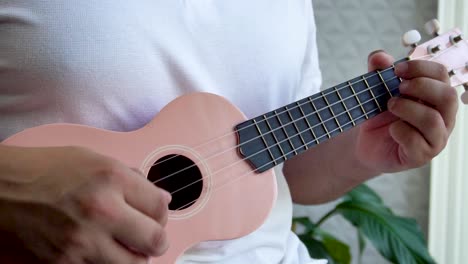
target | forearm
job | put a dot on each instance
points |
(326, 171)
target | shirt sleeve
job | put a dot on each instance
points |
(311, 76)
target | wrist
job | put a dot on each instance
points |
(357, 167)
(363, 171)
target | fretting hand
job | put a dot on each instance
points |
(417, 126)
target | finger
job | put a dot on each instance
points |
(146, 197)
(107, 250)
(139, 232)
(379, 59)
(380, 121)
(435, 93)
(425, 119)
(419, 68)
(413, 149)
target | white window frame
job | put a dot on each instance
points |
(448, 217)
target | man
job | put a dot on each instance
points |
(115, 64)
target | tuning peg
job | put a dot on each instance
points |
(411, 38)
(433, 49)
(455, 39)
(464, 96)
(452, 73)
(432, 27)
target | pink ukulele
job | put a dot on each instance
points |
(217, 164)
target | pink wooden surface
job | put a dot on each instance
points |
(227, 212)
(453, 56)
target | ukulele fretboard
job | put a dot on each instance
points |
(270, 139)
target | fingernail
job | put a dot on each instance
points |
(167, 196)
(374, 52)
(401, 68)
(404, 85)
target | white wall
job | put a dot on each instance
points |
(448, 229)
(347, 32)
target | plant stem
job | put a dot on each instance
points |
(325, 217)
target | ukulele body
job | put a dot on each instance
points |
(231, 199)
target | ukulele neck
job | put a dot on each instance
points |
(274, 137)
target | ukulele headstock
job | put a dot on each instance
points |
(449, 49)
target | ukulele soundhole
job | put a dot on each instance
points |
(180, 176)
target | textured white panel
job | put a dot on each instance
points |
(448, 230)
(347, 32)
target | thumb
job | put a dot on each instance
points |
(378, 60)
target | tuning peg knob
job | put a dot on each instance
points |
(432, 27)
(464, 96)
(411, 38)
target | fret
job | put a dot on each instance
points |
(264, 141)
(393, 67)
(325, 115)
(299, 133)
(308, 124)
(285, 133)
(320, 118)
(384, 83)
(272, 132)
(358, 100)
(332, 112)
(344, 106)
(372, 93)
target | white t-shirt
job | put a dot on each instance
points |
(114, 64)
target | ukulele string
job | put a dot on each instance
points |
(252, 171)
(292, 108)
(294, 150)
(275, 129)
(278, 143)
(284, 125)
(322, 95)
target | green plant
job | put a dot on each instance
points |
(398, 239)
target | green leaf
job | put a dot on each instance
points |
(362, 244)
(363, 193)
(338, 250)
(316, 248)
(305, 221)
(398, 239)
